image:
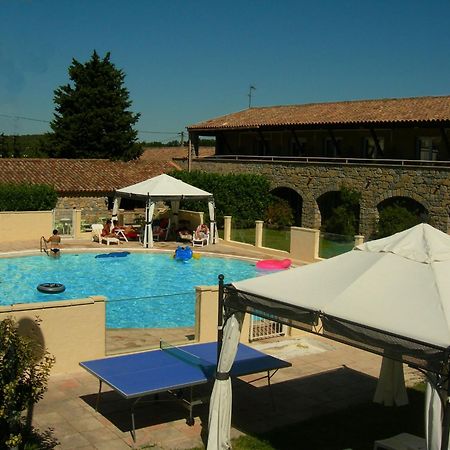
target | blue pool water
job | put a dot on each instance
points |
(143, 290)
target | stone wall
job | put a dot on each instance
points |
(430, 186)
(92, 208)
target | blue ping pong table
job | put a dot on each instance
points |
(138, 375)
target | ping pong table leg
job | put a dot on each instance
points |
(133, 426)
(191, 420)
(268, 377)
(98, 395)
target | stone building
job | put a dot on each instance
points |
(384, 149)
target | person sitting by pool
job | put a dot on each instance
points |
(183, 233)
(202, 231)
(54, 240)
(107, 229)
(128, 230)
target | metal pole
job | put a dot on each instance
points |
(220, 318)
(250, 96)
(147, 221)
(189, 155)
(446, 416)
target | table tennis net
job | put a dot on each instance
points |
(187, 357)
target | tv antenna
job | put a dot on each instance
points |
(250, 95)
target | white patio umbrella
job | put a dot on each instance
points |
(166, 188)
(391, 296)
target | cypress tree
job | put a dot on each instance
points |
(91, 118)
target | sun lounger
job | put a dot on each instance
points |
(97, 233)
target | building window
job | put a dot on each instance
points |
(428, 148)
(298, 147)
(370, 147)
(262, 145)
(333, 147)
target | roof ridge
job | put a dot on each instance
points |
(368, 100)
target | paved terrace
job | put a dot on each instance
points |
(325, 376)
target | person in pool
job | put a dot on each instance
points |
(55, 241)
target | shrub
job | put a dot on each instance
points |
(344, 218)
(24, 371)
(396, 218)
(279, 213)
(27, 197)
(243, 196)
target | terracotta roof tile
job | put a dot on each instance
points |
(168, 153)
(80, 175)
(417, 109)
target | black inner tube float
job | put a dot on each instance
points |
(51, 288)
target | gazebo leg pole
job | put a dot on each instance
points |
(446, 414)
(220, 318)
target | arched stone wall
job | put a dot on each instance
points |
(430, 186)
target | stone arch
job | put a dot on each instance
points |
(401, 193)
(305, 199)
(333, 189)
(397, 220)
(294, 199)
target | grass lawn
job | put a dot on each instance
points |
(353, 428)
(280, 240)
(277, 239)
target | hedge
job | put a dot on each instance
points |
(246, 197)
(27, 197)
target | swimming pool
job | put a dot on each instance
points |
(143, 290)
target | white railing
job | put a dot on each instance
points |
(261, 328)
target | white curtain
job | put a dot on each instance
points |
(391, 388)
(213, 235)
(221, 397)
(433, 415)
(148, 231)
(116, 207)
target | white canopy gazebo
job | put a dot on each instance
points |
(390, 297)
(165, 188)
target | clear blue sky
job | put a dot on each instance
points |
(187, 61)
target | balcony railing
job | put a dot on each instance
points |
(327, 160)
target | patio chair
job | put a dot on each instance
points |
(201, 236)
(97, 233)
(161, 230)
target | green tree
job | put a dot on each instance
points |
(279, 213)
(395, 218)
(344, 215)
(92, 119)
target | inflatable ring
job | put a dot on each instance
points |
(183, 253)
(51, 288)
(113, 255)
(273, 264)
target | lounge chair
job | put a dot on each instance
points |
(97, 233)
(201, 236)
(161, 230)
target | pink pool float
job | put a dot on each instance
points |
(274, 264)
